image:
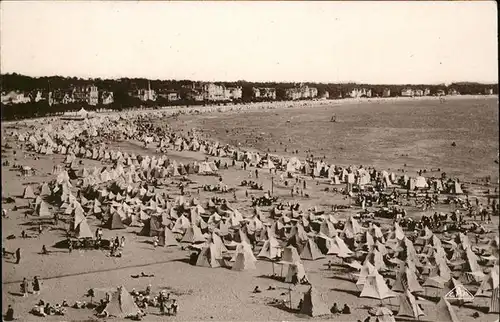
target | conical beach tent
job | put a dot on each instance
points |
(152, 227)
(43, 210)
(167, 238)
(207, 257)
(28, 193)
(290, 255)
(376, 288)
(445, 312)
(408, 306)
(83, 230)
(406, 279)
(311, 251)
(313, 304)
(114, 222)
(122, 304)
(244, 261)
(270, 250)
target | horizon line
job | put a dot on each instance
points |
(437, 83)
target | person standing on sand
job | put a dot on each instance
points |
(295, 279)
(18, 255)
(256, 174)
(175, 307)
(24, 287)
(36, 285)
(9, 315)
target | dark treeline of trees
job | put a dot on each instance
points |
(122, 88)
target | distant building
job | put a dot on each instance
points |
(453, 92)
(301, 92)
(145, 94)
(169, 95)
(88, 94)
(292, 94)
(440, 92)
(173, 96)
(488, 91)
(64, 96)
(360, 92)
(386, 92)
(407, 92)
(418, 92)
(50, 99)
(107, 98)
(213, 93)
(92, 95)
(313, 92)
(264, 93)
(36, 96)
(193, 93)
(15, 97)
(234, 93)
(427, 92)
(325, 95)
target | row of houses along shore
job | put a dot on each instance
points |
(203, 92)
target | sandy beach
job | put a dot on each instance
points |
(218, 294)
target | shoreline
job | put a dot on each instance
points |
(253, 107)
(172, 110)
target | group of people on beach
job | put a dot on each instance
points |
(37, 286)
(43, 309)
(163, 301)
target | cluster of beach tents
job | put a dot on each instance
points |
(220, 235)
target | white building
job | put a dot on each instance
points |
(213, 92)
(264, 93)
(234, 93)
(407, 92)
(15, 97)
(360, 92)
(300, 92)
(146, 94)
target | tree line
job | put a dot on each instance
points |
(122, 87)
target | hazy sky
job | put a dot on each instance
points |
(388, 42)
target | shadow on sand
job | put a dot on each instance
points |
(482, 309)
(182, 260)
(285, 308)
(342, 278)
(272, 277)
(351, 292)
(10, 262)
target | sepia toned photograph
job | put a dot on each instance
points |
(249, 161)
